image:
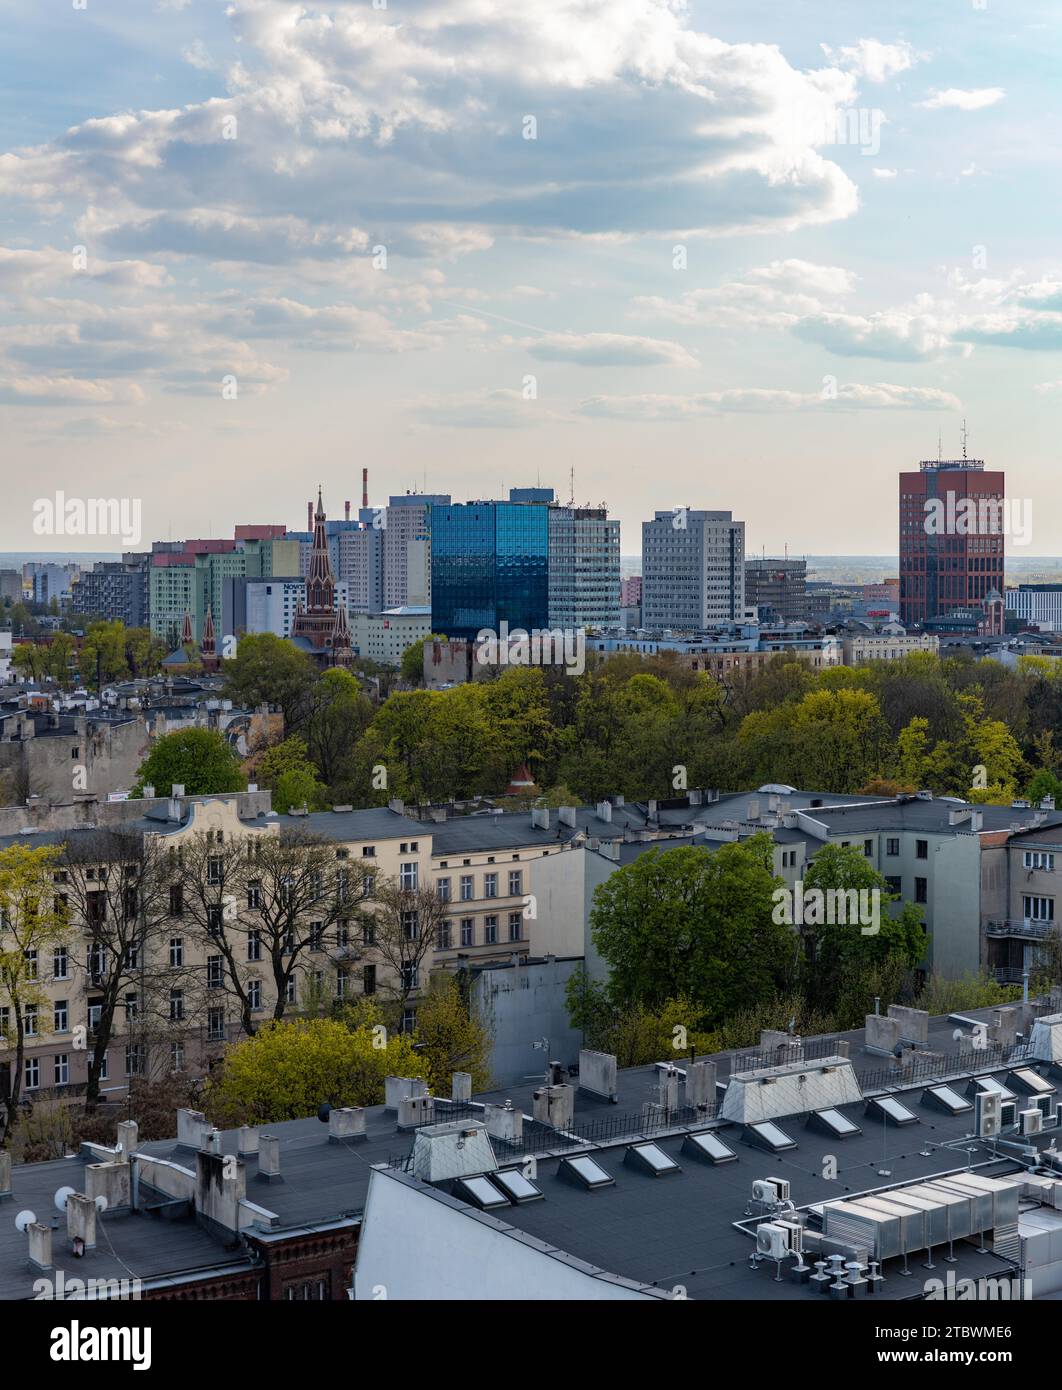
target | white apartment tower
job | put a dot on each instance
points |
(693, 570)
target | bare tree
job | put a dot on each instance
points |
(401, 934)
(269, 900)
(116, 884)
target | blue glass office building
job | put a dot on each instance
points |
(489, 563)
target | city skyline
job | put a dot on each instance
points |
(212, 205)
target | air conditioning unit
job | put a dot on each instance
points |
(772, 1239)
(781, 1187)
(988, 1106)
(768, 1190)
(1032, 1121)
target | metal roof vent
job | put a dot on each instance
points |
(457, 1149)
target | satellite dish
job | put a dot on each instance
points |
(24, 1219)
(60, 1197)
(323, 1112)
(101, 1203)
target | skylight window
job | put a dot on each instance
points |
(651, 1158)
(767, 1135)
(894, 1112)
(989, 1084)
(1030, 1081)
(949, 1099)
(838, 1124)
(481, 1192)
(586, 1171)
(708, 1145)
(515, 1186)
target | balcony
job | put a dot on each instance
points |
(1024, 929)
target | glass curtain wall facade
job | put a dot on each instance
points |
(489, 564)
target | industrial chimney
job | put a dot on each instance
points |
(346, 511)
(364, 487)
(309, 516)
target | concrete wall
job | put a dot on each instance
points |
(459, 1257)
(522, 1004)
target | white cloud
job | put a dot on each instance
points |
(608, 350)
(875, 61)
(759, 400)
(52, 390)
(501, 409)
(956, 98)
(884, 173)
(897, 335)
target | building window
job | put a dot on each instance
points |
(254, 944)
(368, 851)
(176, 1006)
(29, 1021)
(368, 934)
(215, 1024)
(516, 883)
(214, 869)
(516, 921)
(214, 967)
(490, 931)
(444, 890)
(892, 847)
(342, 984)
(254, 994)
(468, 891)
(921, 890)
(1037, 909)
(60, 963)
(410, 976)
(410, 925)
(409, 1020)
(134, 1060)
(490, 885)
(1039, 859)
(254, 896)
(30, 958)
(132, 1007)
(368, 887)
(32, 1073)
(921, 849)
(60, 1016)
(176, 952)
(468, 931)
(868, 848)
(62, 1069)
(177, 1056)
(368, 979)
(407, 876)
(316, 940)
(215, 919)
(291, 990)
(132, 956)
(443, 937)
(894, 883)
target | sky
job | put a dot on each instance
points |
(747, 256)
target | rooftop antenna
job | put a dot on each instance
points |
(940, 447)
(571, 486)
(964, 439)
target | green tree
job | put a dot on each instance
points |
(695, 923)
(287, 1070)
(103, 653)
(270, 670)
(200, 760)
(32, 923)
(844, 946)
(451, 1038)
(337, 713)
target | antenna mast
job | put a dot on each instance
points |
(964, 440)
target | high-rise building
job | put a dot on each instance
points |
(693, 570)
(584, 568)
(407, 549)
(117, 590)
(951, 538)
(190, 576)
(778, 588)
(489, 564)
